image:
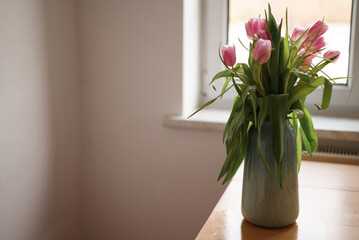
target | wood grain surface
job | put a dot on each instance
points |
(329, 208)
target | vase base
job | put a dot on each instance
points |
(269, 226)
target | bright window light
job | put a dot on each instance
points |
(302, 13)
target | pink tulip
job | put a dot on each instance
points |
(297, 32)
(262, 48)
(332, 53)
(254, 25)
(318, 44)
(263, 35)
(229, 54)
(317, 28)
(307, 62)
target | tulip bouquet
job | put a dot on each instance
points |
(273, 86)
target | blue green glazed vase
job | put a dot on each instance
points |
(264, 202)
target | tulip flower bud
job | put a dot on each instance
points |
(229, 54)
(253, 26)
(261, 50)
(263, 35)
(332, 53)
(297, 32)
(317, 28)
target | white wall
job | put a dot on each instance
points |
(142, 181)
(39, 148)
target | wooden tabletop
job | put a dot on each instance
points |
(329, 208)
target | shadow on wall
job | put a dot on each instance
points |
(38, 121)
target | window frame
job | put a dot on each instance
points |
(213, 24)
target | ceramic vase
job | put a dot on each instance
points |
(264, 202)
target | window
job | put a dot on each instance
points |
(213, 19)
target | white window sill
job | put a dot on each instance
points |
(327, 127)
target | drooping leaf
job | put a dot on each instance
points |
(234, 134)
(303, 76)
(327, 94)
(320, 66)
(237, 104)
(303, 89)
(298, 113)
(263, 114)
(307, 146)
(236, 141)
(308, 128)
(240, 154)
(248, 89)
(209, 102)
(232, 146)
(228, 162)
(224, 73)
(278, 108)
(298, 140)
(242, 77)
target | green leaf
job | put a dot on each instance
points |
(277, 113)
(263, 114)
(308, 128)
(250, 58)
(248, 89)
(298, 142)
(327, 94)
(224, 73)
(241, 150)
(228, 162)
(303, 76)
(291, 82)
(235, 134)
(236, 87)
(235, 143)
(209, 102)
(284, 54)
(307, 146)
(225, 85)
(303, 89)
(257, 77)
(298, 113)
(285, 77)
(248, 72)
(254, 105)
(237, 104)
(274, 59)
(256, 73)
(243, 77)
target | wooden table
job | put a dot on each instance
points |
(329, 208)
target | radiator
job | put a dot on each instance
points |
(334, 154)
